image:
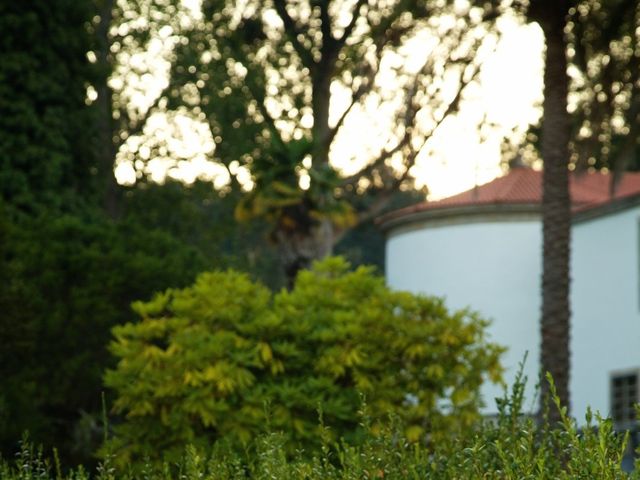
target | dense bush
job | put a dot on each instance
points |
(200, 216)
(511, 447)
(221, 359)
(66, 281)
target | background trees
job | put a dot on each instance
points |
(68, 274)
(68, 270)
(605, 106)
(602, 57)
(45, 141)
(264, 78)
(66, 281)
(76, 248)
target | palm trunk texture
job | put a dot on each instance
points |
(556, 207)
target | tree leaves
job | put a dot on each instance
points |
(230, 346)
(266, 74)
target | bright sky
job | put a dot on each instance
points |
(510, 96)
(457, 158)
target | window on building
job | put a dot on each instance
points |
(624, 397)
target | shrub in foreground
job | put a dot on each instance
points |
(225, 359)
(512, 447)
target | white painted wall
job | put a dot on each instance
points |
(605, 303)
(493, 267)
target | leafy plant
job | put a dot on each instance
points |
(67, 280)
(512, 446)
(226, 360)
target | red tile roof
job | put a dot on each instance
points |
(524, 186)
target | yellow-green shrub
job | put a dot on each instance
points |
(224, 358)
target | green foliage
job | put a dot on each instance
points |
(45, 128)
(203, 218)
(602, 44)
(68, 274)
(224, 359)
(517, 446)
(259, 72)
(278, 198)
(511, 447)
(261, 75)
(603, 38)
(66, 281)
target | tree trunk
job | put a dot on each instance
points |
(321, 98)
(556, 207)
(107, 149)
(323, 73)
(299, 245)
(301, 237)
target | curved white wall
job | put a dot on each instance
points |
(493, 267)
(605, 302)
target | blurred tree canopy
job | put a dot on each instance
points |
(46, 158)
(262, 75)
(604, 51)
(202, 217)
(68, 269)
(68, 273)
(603, 55)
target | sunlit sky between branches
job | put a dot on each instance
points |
(505, 101)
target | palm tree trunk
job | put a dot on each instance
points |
(556, 207)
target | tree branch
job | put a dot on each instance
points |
(259, 98)
(409, 120)
(382, 200)
(349, 28)
(325, 26)
(363, 89)
(453, 106)
(292, 31)
(616, 19)
(626, 153)
(377, 163)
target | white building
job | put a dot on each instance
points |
(483, 249)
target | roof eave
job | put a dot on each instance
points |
(388, 222)
(584, 214)
(608, 208)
